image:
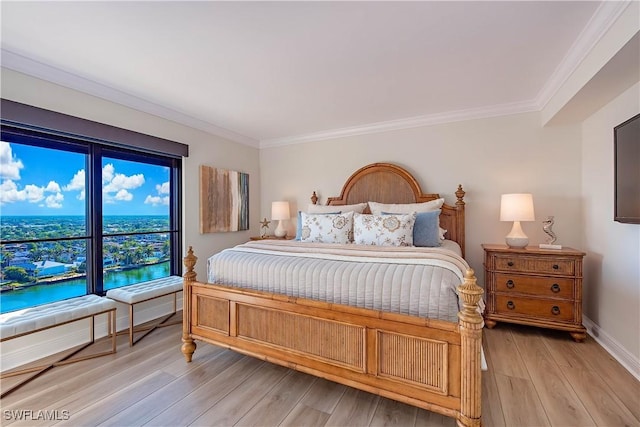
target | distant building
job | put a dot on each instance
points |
(23, 262)
(48, 268)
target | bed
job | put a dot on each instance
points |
(411, 356)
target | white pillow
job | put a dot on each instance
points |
(383, 230)
(358, 207)
(405, 208)
(327, 228)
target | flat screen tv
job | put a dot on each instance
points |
(626, 140)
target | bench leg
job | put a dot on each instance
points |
(148, 329)
(113, 329)
(66, 360)
(131, 325)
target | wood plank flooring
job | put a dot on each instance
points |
(535, 378)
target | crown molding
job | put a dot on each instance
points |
(408, 123)
(33, 68)
(603, 18)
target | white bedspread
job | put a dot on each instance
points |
(415, 281)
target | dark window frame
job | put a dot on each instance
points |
(25, 124)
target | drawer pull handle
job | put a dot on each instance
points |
(555, 310)
(555, 288)
(556, 266)
(510, 284)
(511, 305)
(510, 263)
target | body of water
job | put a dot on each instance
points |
(42, 294)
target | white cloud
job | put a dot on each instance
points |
(9, 193)
(9, 166)
(107, 173)
(53, 187)
(157, 200)
(77, 183)
(54, 200)
(123, 182)
(163, 188)
(160, 200)
(118, 183)
(32, 193)
(123, 195)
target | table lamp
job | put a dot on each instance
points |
(517, 207)
(280, 212)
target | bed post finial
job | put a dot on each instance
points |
(314, 198)
(460, 195)
(470, 325)
(188, 345)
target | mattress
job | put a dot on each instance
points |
(407, 280)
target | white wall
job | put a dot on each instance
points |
(612, 268)
(487, 156)
(204, 148)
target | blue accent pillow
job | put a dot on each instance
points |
(426, 230)
(299, 223)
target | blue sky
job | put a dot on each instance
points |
(42, 181)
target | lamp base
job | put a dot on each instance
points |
(516, 237)
(517, 242)
(280, 231)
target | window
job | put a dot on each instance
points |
(136, 243)
(79, 216)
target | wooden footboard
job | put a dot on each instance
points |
(427, 363)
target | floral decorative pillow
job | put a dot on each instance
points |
(433, 205)
(426, 232)
(327, 228)
(299, 223)
(384, 230)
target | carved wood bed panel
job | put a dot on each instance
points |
(428, 363)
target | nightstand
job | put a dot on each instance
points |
(537, 287)
(271, 238)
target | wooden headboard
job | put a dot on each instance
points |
(389, 183)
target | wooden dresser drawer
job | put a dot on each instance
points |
(556, 310)
(538, 264)
(557, 287)
(534, 286)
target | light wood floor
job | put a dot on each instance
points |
(535, 378)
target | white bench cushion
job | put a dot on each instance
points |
(146, 290)
(46, 315)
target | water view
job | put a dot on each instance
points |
(44, 258)
(41, 294)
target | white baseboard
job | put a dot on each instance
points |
(630, 362)
(32, 347)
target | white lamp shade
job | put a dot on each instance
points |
(517, 207)
(280, 210)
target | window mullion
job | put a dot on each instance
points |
(94, 196)
(175, 213)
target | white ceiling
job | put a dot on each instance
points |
(268, 73)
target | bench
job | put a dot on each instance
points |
(146, 291)
(19, 323)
